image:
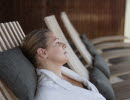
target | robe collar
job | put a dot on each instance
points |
(61, 82)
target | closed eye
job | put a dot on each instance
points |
(58, 42)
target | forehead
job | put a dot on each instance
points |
(51, 37)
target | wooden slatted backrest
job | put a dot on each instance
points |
(7, 36)
(76, 39)
(15, 33)
(74, 63)
(11, 35)
(2, 44)
(5, 42)
(20, 29)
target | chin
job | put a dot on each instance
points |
(65, 61)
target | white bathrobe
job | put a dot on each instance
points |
(52, 87)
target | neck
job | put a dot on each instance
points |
(55, 68)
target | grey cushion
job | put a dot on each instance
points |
(98, 60)
(102, 84)
(100, 63)
(18, 73)
(89, 45)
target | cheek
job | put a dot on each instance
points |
(56, 52)
(57, 55)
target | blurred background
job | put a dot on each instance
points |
(94, 17)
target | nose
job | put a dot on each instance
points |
(63, 45)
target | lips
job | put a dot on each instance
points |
(65, 52)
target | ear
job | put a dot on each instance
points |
(42, 52)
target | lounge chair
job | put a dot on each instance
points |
(107, 55)
(99, 40)
(52, 24)
(11, 36)
(5, 92)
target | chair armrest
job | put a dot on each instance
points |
(111, 45)
(108, 38)
(116, 54)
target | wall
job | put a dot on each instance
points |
(94, 17)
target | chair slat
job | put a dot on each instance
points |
(2, 97)
(7, 35)
(18, 25)
(11, 34)
(17, 30)
(15, 33)
(76, 39)
(6, 94)
(4, 39)
(2, 45)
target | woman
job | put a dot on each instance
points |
(56, 82)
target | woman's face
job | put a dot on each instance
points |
(56, 49)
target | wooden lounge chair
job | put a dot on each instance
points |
(108, 39)
(107, 55)
(96, 40)
(115, 71)
(52, 24)
(13, 28)
(11, 36)
(123, 70)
